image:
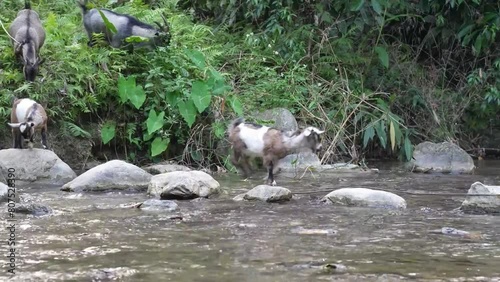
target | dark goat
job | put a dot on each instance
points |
(125, 25)
(28, 37)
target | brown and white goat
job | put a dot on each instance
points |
(251, 140)
(26, 118)
(28, 37)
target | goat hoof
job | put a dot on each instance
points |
(274, 183)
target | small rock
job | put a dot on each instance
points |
(363, 197)
(458, 233)
(303, 231)
(445, 157)
(474, 203)
(164, 168)
(183, 185)
(35, 165)
(268, 193)
(33, 208)
(239, 198)
(159, 205)
(112, 175)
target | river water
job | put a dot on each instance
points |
(91, 237)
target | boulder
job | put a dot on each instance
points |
(164, 168)
(183, 185)
(283, 118)
(112, 175)
(35, 165)
(363, 197)
(159, 205)
(482, 204)
(445, 157)
(300, 161)
(266, 193)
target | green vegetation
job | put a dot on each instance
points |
(378, 75)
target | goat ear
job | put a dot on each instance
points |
(14, 125)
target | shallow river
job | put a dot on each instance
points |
(89, 237)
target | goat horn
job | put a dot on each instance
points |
(164, 17)
(159, 25)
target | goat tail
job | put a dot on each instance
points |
(27, 4)
(83, 5)
(234, 124)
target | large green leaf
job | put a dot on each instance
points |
(154, 121)
(196, 57)
(200, 95)
(159, 145)
(108, 24)
(382, 56)
(108, 131)
(368, 135)
(236, 105)
(356, 5)
(188, 111)
(137, 97)
(124, 86)
(376, 6)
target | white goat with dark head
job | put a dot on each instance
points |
(249, 140)
(125, 25)
(28, 37)
(26, 118)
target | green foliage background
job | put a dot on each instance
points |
(378, 75)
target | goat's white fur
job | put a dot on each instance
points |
(268, 143)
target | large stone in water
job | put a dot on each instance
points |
(112, 175)
(363, 197)
(183, 185)
(474, 203)
(283, 118)
(444, 157)
(35, 165)
(164, 168)
(267, 193)
(302, 160)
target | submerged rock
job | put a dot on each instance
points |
(266, 193)
(35, 165)
(283, 118)
(363, 197)
(33, 209)
(112, 175)
(183, 185)
(158, 205)
(164, 168)
(482, 204)
(302, 160)
(457, 233)
(444, 157)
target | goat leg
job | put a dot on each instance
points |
(270, 168)
(17, 139)
(44, 138)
